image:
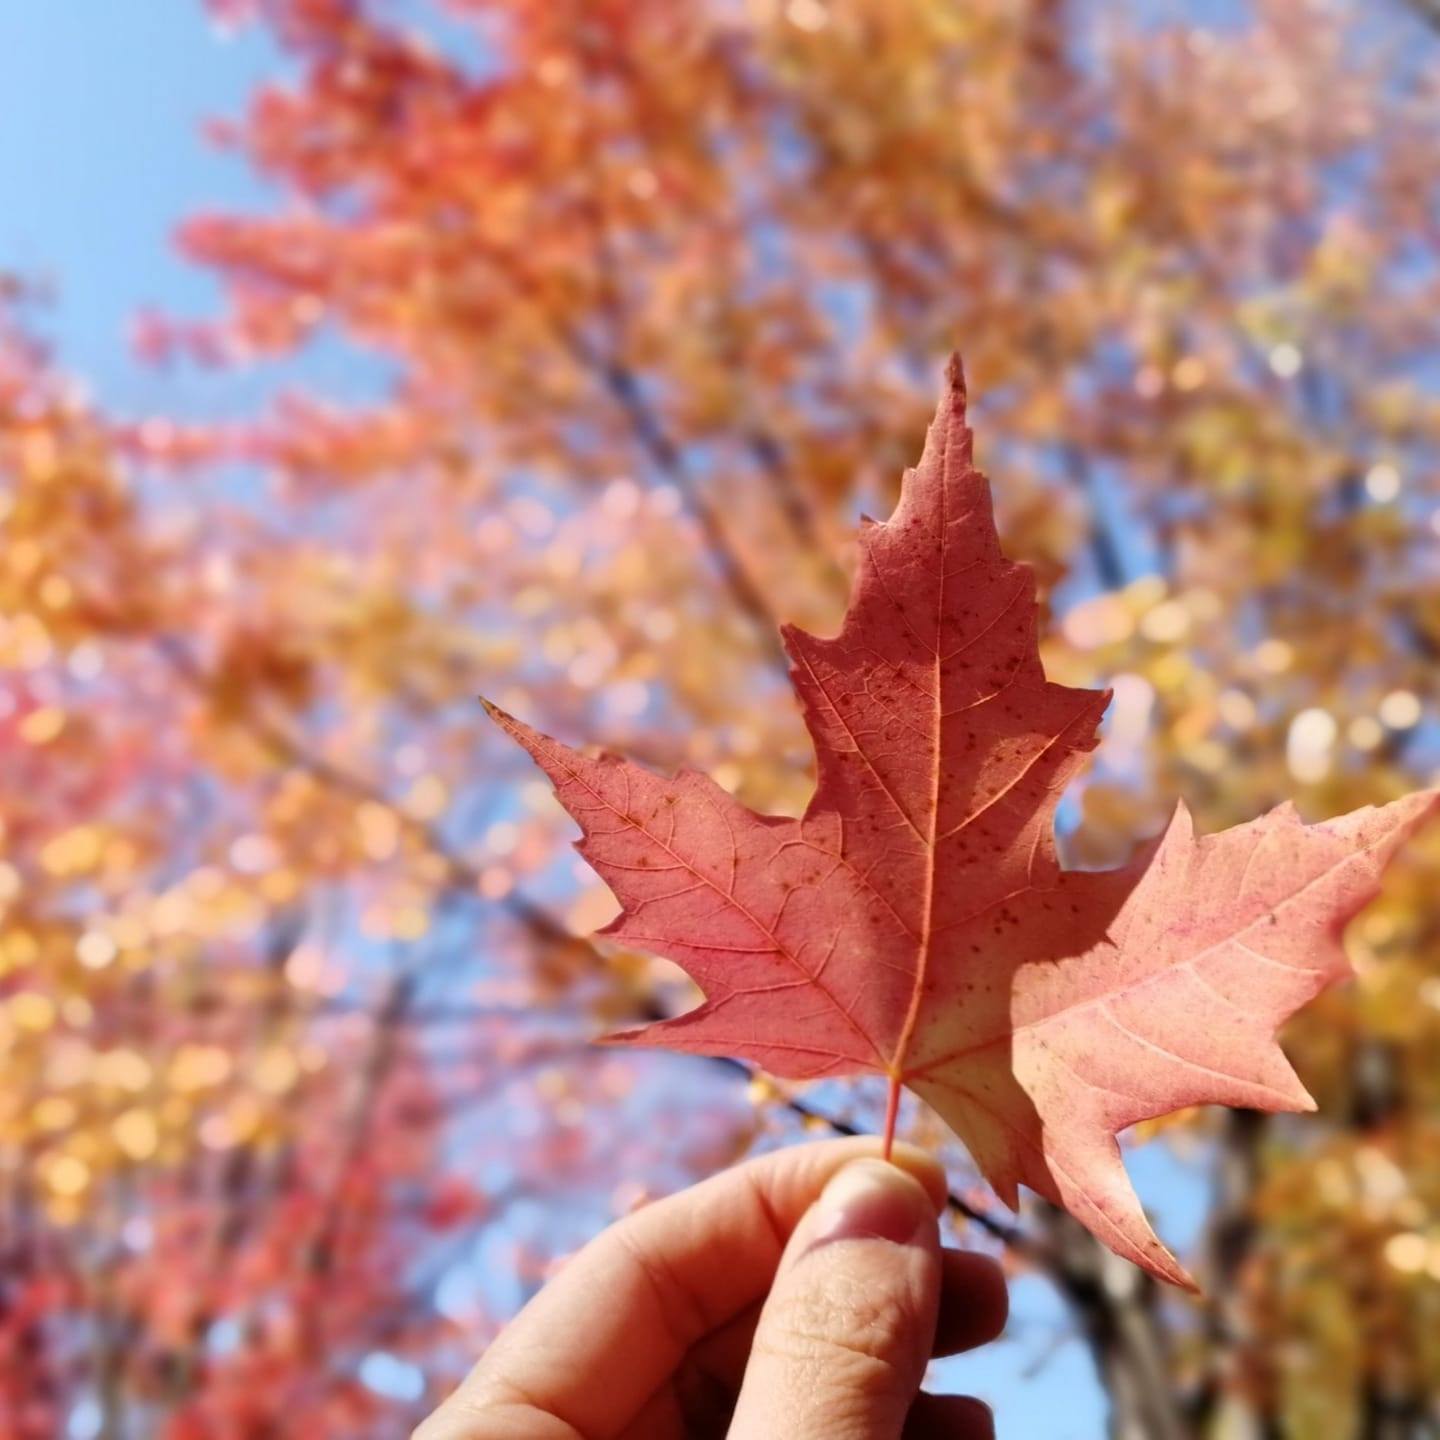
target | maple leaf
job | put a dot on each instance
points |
(915, 922)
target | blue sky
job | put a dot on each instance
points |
(101, 103)
(100, 154)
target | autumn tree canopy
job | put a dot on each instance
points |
(298, 984)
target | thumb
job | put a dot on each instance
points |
(847, 1331)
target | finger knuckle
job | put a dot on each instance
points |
(856, 1334)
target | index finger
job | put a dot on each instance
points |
(607, 1332)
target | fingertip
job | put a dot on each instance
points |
(869, 1199)
(949, 1417)
(974, 1302)
(924, 1167)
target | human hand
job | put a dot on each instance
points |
(796, 1297)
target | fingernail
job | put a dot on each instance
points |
(872, 1200)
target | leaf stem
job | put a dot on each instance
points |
(892, 1109)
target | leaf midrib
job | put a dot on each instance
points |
(927, 912)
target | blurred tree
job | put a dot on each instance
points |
(295, 984)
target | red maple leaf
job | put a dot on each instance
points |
(915, 922)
